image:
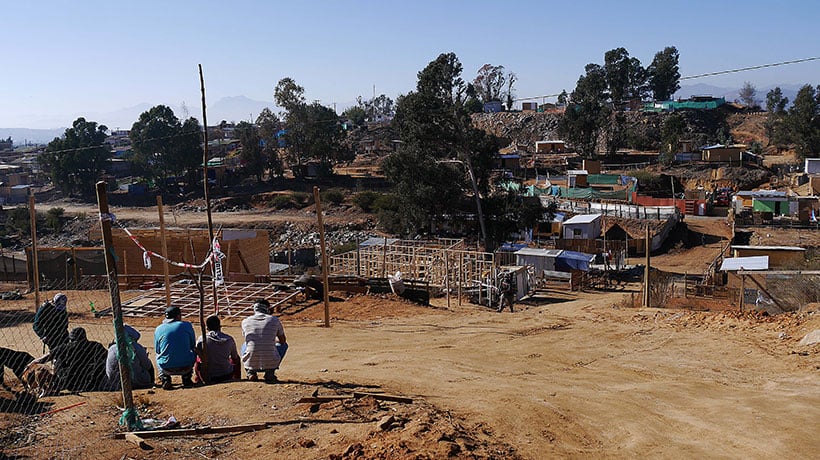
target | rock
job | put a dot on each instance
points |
(307, 443)
(811, 338)
(386, 423)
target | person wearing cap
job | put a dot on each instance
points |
(51, 322)
(175, 346)
(265, 342)
(142, 371)
(223, 361)
(79, 364)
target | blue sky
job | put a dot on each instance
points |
(66, 59)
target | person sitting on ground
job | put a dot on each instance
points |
(265, 343)
(142, 370)
(51, 322)
(79, 364)
(175, 346)
(222, 361)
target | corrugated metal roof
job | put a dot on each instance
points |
(377, 241)
(538, 252)
(771, 248)
(745, 263)
(577, 172)
(583, 219)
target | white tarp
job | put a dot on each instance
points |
(745, 263)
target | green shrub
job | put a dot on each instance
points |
(282, 202)
(302, 199)
(332, 196)
(54, 218)
(365, 200)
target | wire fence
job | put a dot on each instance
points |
(54, 358)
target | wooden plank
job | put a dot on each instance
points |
(324, 399)
(193, 431)
(384, 397)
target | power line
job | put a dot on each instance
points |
(744, 69)
(708, 74)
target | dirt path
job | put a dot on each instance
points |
(580, 378)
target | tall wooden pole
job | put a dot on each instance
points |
(325, 268)
(207, 201)
(35, 263)
(164, 251)
(646, 271)
(447, 276)
(116, 307)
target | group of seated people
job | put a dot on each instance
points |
(84, 365)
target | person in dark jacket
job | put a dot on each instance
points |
(79, 364)
(51, 322)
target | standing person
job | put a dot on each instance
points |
(265, 342)
(223, 361)
(142, 371)
(507, 292)
(51, 322)
(79, 364)
(175, 346)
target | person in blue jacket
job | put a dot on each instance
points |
(175, 346)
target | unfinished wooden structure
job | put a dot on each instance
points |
(246, 250)
(439, 262)
(234, 299)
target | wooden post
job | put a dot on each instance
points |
(35, 263)
(228, 261)
(358, 258)
(325, 268)
(164, 251)
(207, 204)
(460, 274)
(384, 258)
(74, 258)
(116, 307)
(646, 299)
(685, 283)
(742, 292)
(447, 276)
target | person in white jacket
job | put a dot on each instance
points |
(265, 342)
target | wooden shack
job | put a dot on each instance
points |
(779, 256)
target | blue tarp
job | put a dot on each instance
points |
(571, 260)
(512, 247)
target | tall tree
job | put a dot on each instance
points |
(77, 160)
(489, 82)
(748, 95)
(587, 111)
(802, 122)
(664, 74)
(438, 144)
(671, 132)
(313, 131)
(164, 147)
(253, 162)
(776, 107)
(269, 124)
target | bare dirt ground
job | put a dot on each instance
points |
(584, 378)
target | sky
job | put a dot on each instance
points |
(66, 59)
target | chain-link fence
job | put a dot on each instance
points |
(54, 356)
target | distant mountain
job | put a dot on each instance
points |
(20, 136)
(236, 108)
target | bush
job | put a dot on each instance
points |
(365, 200)
(54, 218)
(282, 202)
(332, 196)
(342, 248)
(302, 199)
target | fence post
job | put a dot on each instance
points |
(130, 416)
(646, 274)
(325, 268)
(35, 263)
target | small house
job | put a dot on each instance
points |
(812, 166)
(722, 154)
(584, 226)
(577, 178)
(555, 146)
(779, 256)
